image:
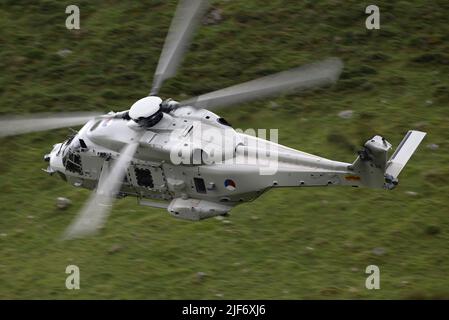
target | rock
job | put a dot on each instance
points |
(254, 218)
(379, 251)
(338, 39)
(367, 86)
(353, 290)
(18, 60)
(200, 275)
(115, 248)
(309, 251)
(411, 193)
(346, 114)
(214, 16)
(220, 218)
(63, 203)
(3, 235)
(226, 221)
(64, 53)
(432, 146)
(30, 217)
(348, 245)
(219, 295)
(404, 283)
(429, 102)
(354, 269)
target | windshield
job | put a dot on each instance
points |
(71, 143)
(70, 155)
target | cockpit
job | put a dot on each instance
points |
(70, 152)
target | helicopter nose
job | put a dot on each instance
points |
(47, 157)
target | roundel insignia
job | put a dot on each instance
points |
(230, 184)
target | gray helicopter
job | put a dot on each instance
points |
(182, 157)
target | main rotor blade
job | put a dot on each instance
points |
(309, 76)
(185, 20)
(10, 126)
(96, 210)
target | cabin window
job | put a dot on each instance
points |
(144, 178)
(199, 185)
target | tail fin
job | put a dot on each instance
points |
(372, 164)
(403, 152)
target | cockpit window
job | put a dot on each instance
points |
(69, 140)
(65, 145)
(70, 144)
(224, 122)
(75, 144)
(71, 157)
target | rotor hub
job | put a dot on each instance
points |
(146, 111)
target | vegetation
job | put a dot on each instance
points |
(288, 244)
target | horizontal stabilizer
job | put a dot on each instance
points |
(403, 152)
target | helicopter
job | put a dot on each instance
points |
(182, 157)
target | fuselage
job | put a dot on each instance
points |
(191, 154)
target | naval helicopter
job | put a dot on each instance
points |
(182, 157)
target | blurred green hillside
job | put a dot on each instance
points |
(288, 244)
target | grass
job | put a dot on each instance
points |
(289, 243)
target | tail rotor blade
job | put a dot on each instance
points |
(404, 152)
(306, 77)
(10, 126)
(183, 25)
(96, 210)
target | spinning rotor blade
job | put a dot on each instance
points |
(10, 126)
(96, 210)
(309, 76)
(187, 16)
